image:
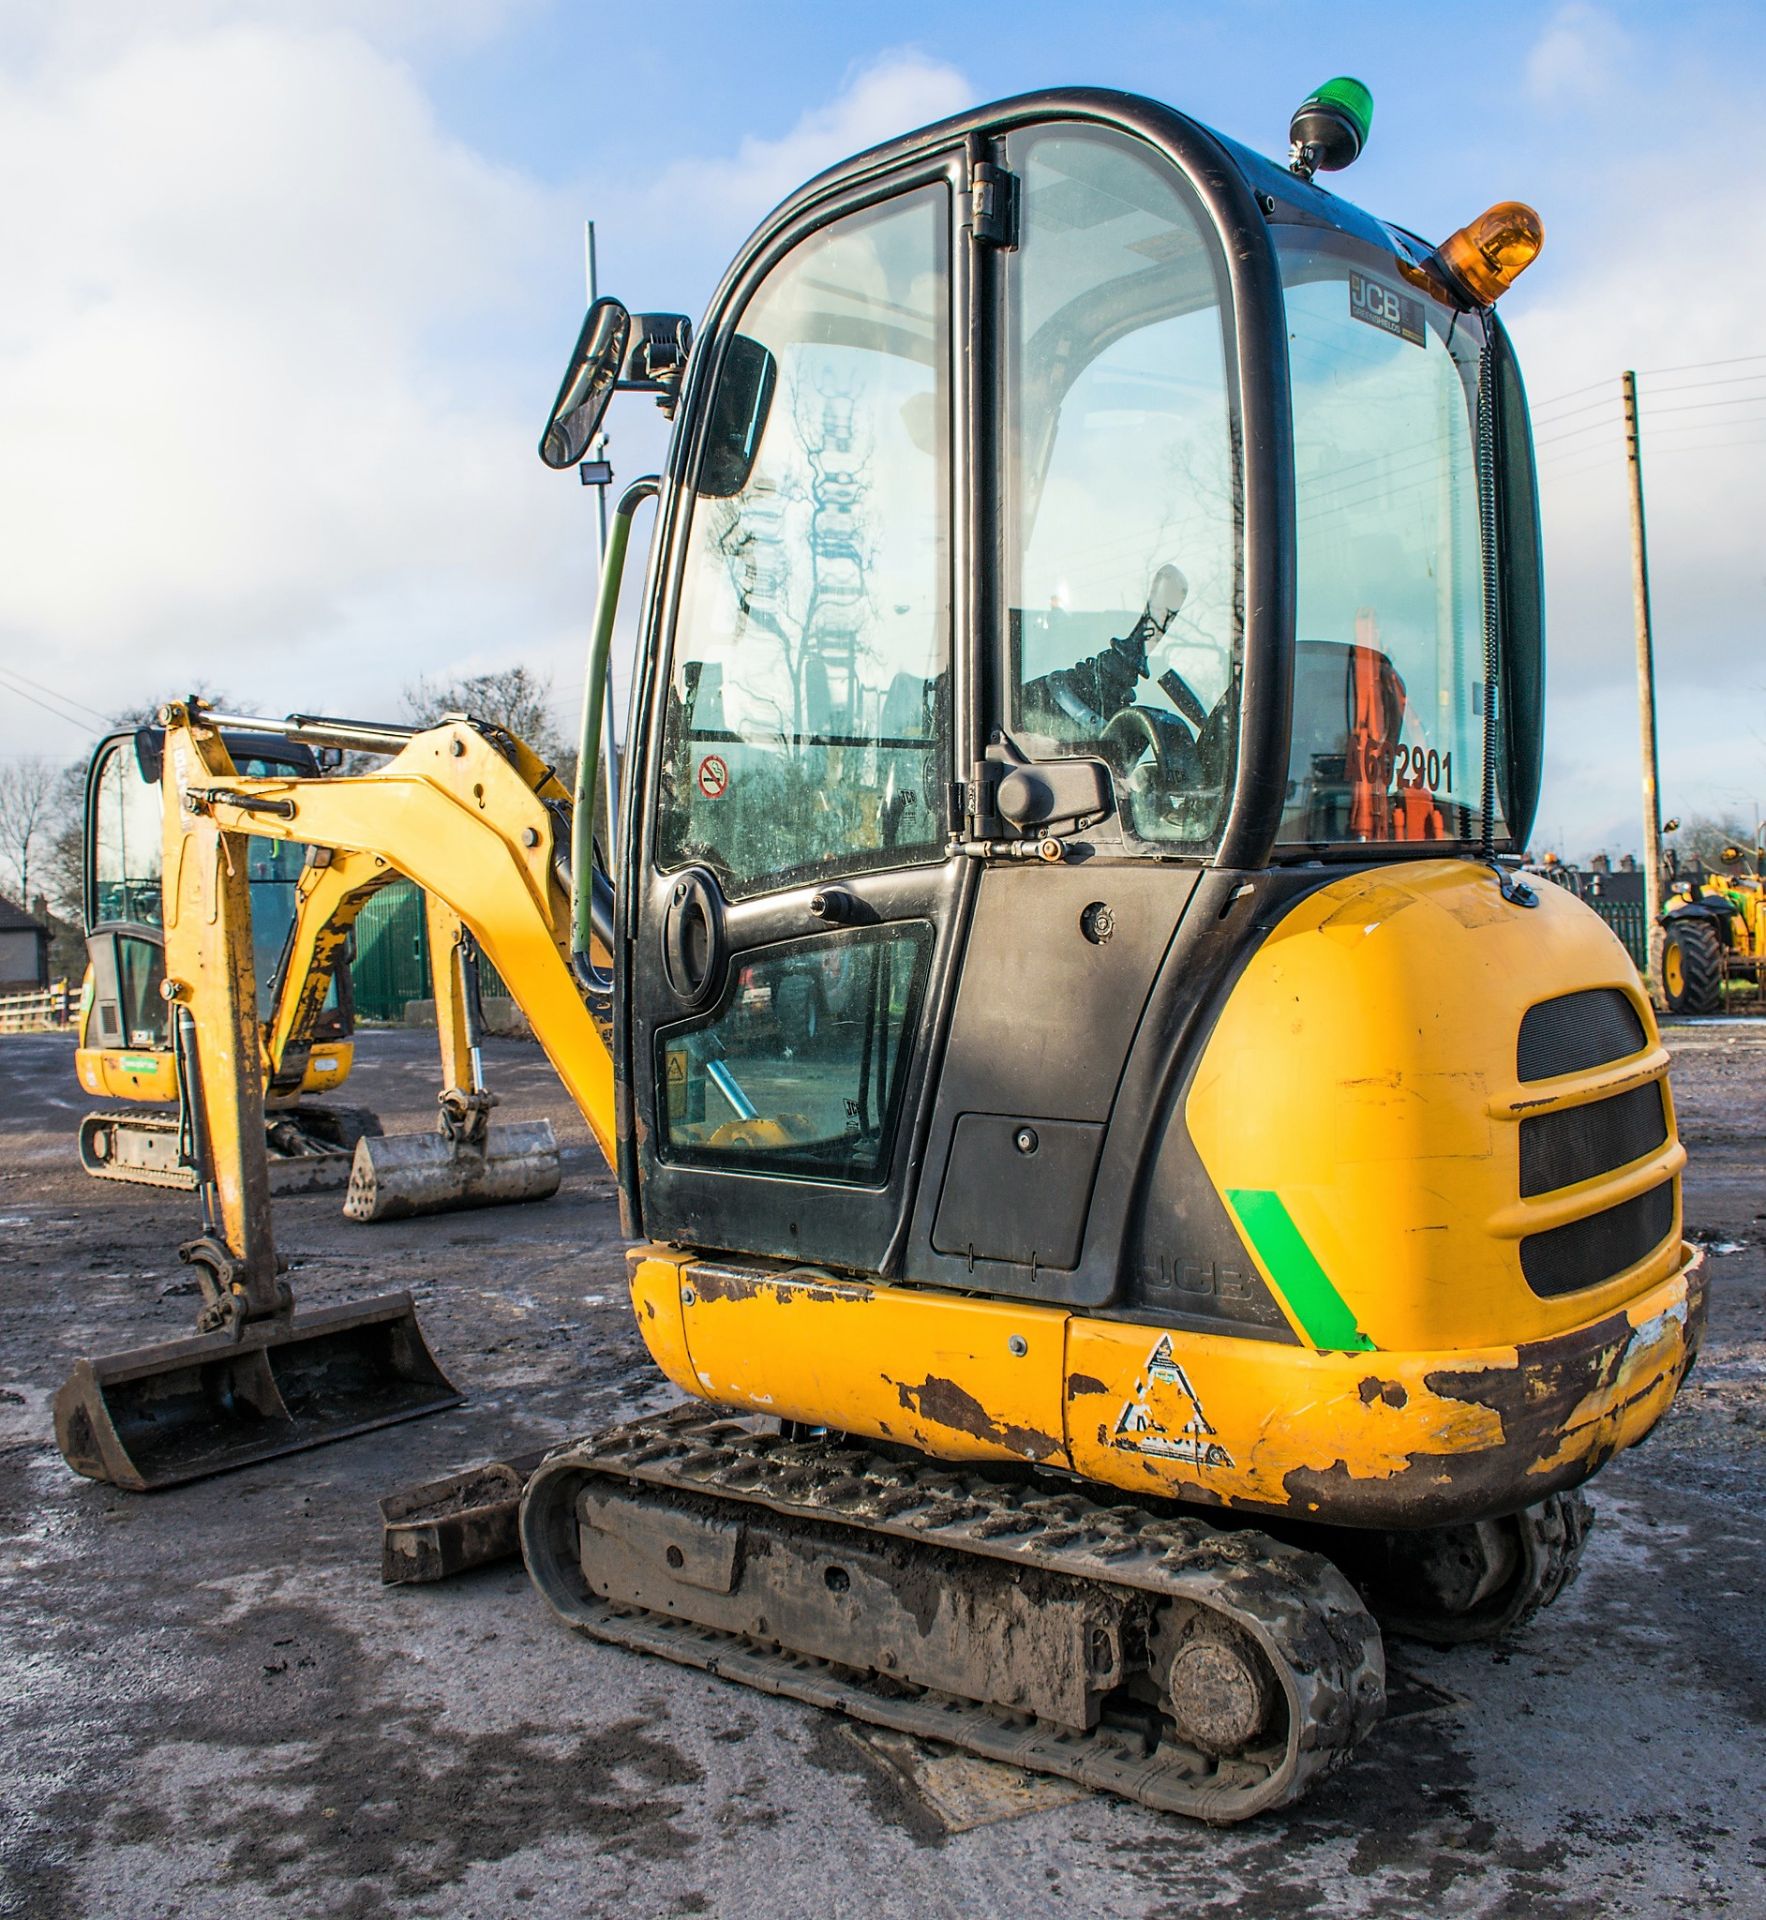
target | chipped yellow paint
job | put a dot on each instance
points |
(1364, 1070)
(1246, 1413)
(938, 1371)
(1400, 1438)
(1649, 1373)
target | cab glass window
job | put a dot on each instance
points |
(1389, 657)
(801, 1070)
(1122, 476)
(126, 849)
(806, 729)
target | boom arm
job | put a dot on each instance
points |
(473, 816)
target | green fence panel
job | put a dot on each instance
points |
(392, 955)
(1629, 921)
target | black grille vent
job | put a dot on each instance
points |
(1577, 1031)
(1559, 1149)
(1586, 1252)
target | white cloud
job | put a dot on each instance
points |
(1578, 58)
(238, 368)
(897, 91)
(93, 31)
(1655, 259)
(275, 350)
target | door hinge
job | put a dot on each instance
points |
(993, 205)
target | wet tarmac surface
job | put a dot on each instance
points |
(210, 1706)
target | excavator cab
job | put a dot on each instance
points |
(125, 1050)
(1082, 540)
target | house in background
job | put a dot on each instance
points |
(24, 950)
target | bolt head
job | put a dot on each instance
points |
(1025, 1140)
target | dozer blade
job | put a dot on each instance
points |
(159, 1416)
(400, 1174)
(444, 1527)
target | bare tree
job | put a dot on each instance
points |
(27, 795)
(60, 868)
(1701, 838)
(516, 698)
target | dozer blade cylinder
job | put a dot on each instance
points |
(398, 1175)
(158, 1416)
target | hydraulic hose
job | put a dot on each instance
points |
(582, 820)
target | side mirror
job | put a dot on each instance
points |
(150, 748)
(595, 364)
(739, 412)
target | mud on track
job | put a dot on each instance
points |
(209, 1706)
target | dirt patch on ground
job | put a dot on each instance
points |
(210, 1706)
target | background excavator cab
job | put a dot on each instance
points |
(125, 1050)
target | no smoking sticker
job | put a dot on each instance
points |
(714, 776)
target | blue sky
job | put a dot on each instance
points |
(291, 286)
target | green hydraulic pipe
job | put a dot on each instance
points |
(582, 820)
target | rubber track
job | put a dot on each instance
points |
(182, 1178)
(1549, 1538)
(1325, 1648)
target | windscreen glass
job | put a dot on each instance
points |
(806, 731)
(1389, 669)
(1122, 474)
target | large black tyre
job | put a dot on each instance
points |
(1692, 967)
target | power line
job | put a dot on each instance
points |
(55, 693)
(1705, 406)
(1575, 433)
(66, 719)
(1706, 446)
(1588, 406)
(1698, 366)
(1729, 380)
(1540, 405)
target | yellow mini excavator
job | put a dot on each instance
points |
(1134, 1187)
(125, 1051)
(301, 921)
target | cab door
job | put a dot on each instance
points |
(125, 944)
(794, 909)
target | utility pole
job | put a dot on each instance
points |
(597, 473)
(1646, 682)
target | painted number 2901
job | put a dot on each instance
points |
(1423, 767)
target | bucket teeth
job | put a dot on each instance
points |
(398, 1175)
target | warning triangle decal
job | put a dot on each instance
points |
(1165, 1416)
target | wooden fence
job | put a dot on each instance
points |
(42, 1010)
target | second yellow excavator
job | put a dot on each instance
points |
(1133, 1186)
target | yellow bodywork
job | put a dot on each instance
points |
(1358, 1090)
(1363, 1072)
(140, 1073)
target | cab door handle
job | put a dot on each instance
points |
(695, 945)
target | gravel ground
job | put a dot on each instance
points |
(210, 1706)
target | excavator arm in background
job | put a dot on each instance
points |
(466, 813)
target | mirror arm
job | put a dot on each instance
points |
(582, 820)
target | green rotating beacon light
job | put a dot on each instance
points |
(1330, 127)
